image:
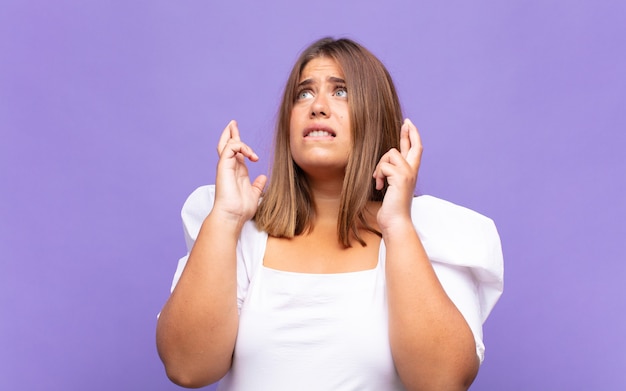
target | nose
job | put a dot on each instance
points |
(319, 107)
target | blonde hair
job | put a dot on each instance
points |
(287, 209)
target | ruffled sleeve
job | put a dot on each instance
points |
(464, 248)
(195, 210)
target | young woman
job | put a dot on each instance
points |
(335, 277)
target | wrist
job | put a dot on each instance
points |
(226, 221)
(397, 227)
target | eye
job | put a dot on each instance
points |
(341, 92)
(304, 94)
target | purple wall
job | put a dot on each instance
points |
(109, 116)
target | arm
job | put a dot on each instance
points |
(432, 345)
(197, 328)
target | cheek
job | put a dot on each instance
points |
(294, 119)
(344, 116)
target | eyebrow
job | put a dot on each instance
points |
(333, 79)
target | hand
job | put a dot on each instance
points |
(235, 195)
(399, 169)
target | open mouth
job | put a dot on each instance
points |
(319, 132)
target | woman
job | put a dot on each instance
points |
(335, 277)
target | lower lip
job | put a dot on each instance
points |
(328, 136)
(319, 138)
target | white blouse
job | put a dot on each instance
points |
(301, 331)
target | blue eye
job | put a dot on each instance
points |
(341, 92)
(304, 94)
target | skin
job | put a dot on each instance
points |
(432, 345)
(197, 327)
(322, 103)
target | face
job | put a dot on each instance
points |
(319, 131)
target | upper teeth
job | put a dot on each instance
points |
(319, 133)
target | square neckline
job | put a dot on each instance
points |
(380, 258)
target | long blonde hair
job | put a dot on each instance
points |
(287, 209)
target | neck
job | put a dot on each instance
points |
(327, 198)
(327, 202)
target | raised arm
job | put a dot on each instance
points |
(432, 345)
(197, 328)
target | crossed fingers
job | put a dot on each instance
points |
(410, 143)
(403, 163)
(230, 144)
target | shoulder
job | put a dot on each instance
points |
(461, 228)
(441, 216)
(458, 236)
(199, 201)
(197, 207)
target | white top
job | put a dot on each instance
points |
(301, 331)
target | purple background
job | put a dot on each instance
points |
(109, 116)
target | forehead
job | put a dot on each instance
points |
(321, 67)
